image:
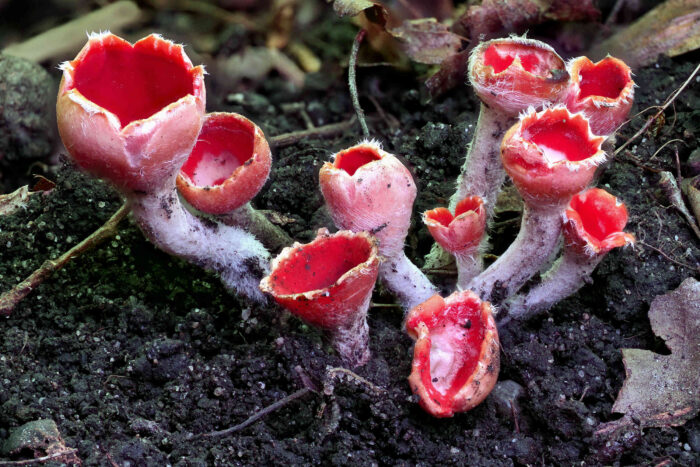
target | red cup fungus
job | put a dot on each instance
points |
(228, 165)
(328, 283)
(593, 225)
(368, 189)
(456, 355)
(460, 234)
(130, 113)
(603, 91)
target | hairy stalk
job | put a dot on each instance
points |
(251, 220)
(406, 281)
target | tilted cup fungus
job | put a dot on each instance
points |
(368, 189)
(456, 356)
(328, 283)
(593, 225)
(131, 114)
(603, 91)
(227, 167)
(509, 76)
(460, 234)
(550, 155)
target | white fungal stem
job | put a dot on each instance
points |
(469, 265)
(482, 172)
(570, 272)
(239, 259)
(538, 237)
(352, 342)
(405, 280)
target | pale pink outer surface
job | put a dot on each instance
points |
(377, 198)
(539, 180)
(605, 114)
(464, 231)
(243, 184)
(145, 152)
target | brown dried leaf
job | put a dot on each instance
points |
(427, 41)
(374, 11)
(11, 202)
(671, 28)
(663, 390)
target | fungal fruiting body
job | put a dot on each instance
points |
(460, 234)
(509, 76)
(368, 189)
(227, 167)
(550, 155)
(131, 114)
(603, 91)
(328, 283)
(593, 225)
(456, 354)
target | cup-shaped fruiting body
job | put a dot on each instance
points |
(328, 283)
(594, 223)
(228, 165)
(366, 188)
(551, 155)
(603, 91)
(130, 113)
(459, 232)
(456, 355)
(515, 73)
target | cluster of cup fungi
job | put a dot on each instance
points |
(134, 115)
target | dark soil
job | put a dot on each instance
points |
(131, 352)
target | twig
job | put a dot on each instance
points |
(670, 186)
(39, 460)
(256, 416)
(653, 118)
(287, 139)
(339, 372)
(352, 82)
(677, 140)
(69, 37)
(687, 266)
(11, 298)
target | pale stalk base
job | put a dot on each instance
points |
(352, 343)
(251, 220)
(571, 272)
(482, 173)
(532, 248)
(469, 265)
(405, 280)
(239, 259)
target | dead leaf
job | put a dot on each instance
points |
(672, 28)
(253, 64)
(663, 390)
(374, 11)
(427, 41)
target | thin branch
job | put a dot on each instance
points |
(661, 252)
(287, 139)
(256, 416)
(39, 460)
(653, 118)
(352, 82)
(11, 298)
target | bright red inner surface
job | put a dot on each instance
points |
(441, 215)
(606, 79)
(561, 139)
(353, 159)
(471, 203)
(456, 337)
(319, 264)
(220, 149)
(534, 60)
(600, 213)
(132, 83)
